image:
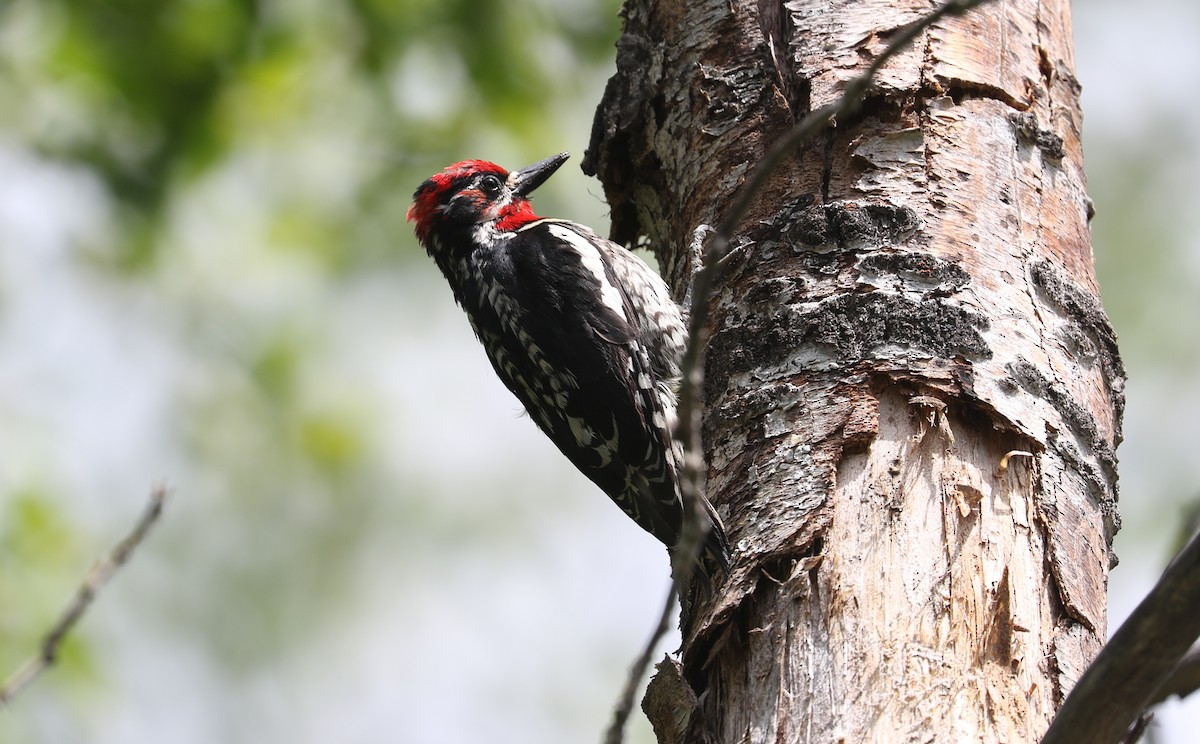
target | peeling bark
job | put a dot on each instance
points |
(911, 301)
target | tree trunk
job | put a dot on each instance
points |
(912, 393)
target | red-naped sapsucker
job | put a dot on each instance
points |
(580, 329)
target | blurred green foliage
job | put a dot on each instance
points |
(152, 95)
(252, 162)
(41, 551)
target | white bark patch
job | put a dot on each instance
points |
(590, 257)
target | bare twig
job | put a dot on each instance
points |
(1140, 657)
(84, 596)
(616, 729)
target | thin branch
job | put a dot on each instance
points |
(616, 730)
(1183, 680)
(84, 596)
(1135, 663)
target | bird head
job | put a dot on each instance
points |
(476, 192)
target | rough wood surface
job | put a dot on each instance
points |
(912, 302)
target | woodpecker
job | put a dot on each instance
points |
(580, 329)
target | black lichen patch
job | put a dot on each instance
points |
(810, 228)
(1089, 321)
(845, 225)
(847, 329)
(849, 225)
(1029, 132)
(859, 324)
(1080, 305)
(1078, 345)
(1082, 424)
(917, 271)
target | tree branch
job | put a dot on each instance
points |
(1183, 680)
(84, 596)
(1135, 663)
(616, 730)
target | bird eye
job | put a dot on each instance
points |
(490, 185)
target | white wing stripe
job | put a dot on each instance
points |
(590, 256)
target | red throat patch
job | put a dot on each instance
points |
(516, 214)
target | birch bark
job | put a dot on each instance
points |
(912, 392)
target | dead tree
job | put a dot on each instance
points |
(912, 394)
